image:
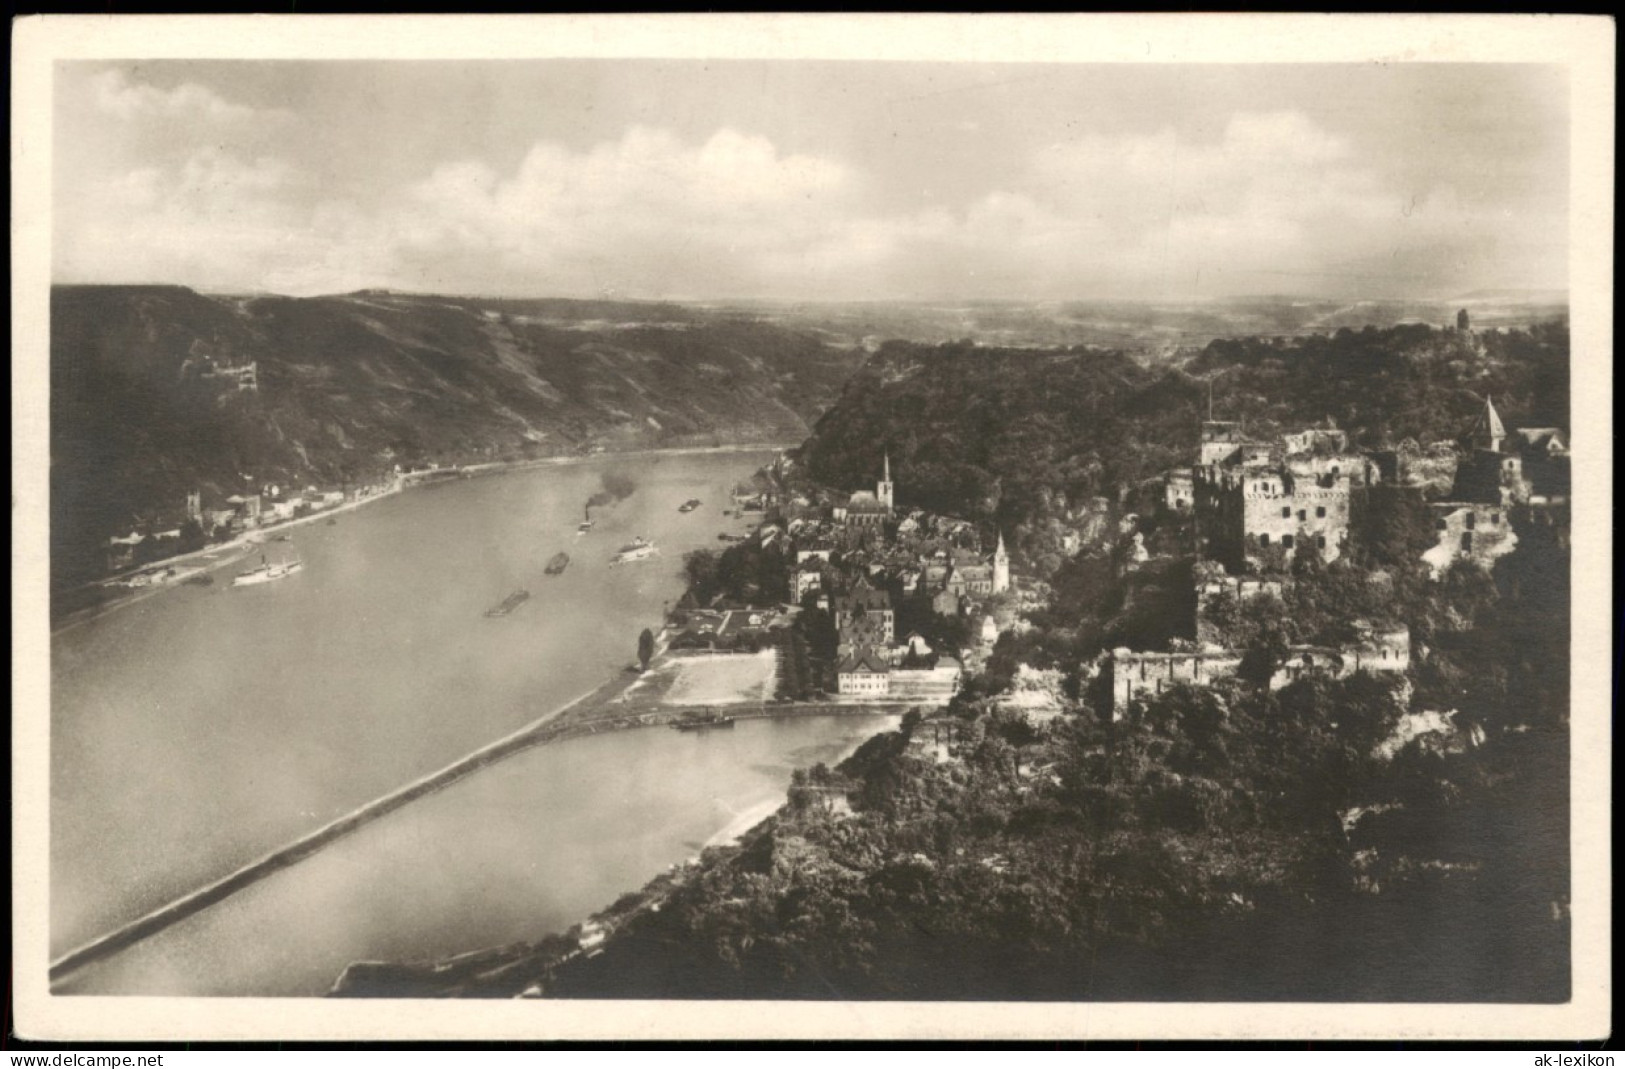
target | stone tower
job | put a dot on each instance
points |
(194, 505)
(1001, 567)
(883, 489)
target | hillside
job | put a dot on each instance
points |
(1027, 437)
(350, 386)
(981, 856)
(1234, 840)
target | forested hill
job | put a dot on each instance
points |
(1229, 840)
(1013, 433)
(349, 386)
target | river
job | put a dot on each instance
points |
(196, 730)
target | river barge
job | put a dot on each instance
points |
(509, 603)
(704, 723)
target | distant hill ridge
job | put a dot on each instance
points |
(348, 386)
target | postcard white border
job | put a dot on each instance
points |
(1584, 45)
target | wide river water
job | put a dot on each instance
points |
(200, 728)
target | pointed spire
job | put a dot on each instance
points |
(1488, 431)
(999, 551)
(887, 463)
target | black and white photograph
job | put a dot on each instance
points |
(1056, 526)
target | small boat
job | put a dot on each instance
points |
(509, 603)
(635, 550)
(703, 723)
(267, 572)
(558, 563)
(199, 580)
(583, 527)
(690, 505)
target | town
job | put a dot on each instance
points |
(1296, 705)
(146, 556)
(858, 599)
(863, 601)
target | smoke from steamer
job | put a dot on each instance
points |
(616, 487)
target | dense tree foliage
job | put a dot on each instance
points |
(1022, 436)
(1227, 842)
(746, 573)
(1186, 853)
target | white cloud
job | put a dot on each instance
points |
(645, 210)
(213, 219)
(118, 95)
(1268, 195)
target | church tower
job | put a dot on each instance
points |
(1001, 567)
(883, 489)
(1488, 431)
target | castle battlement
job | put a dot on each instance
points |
(1244, 509)
(1134, 675)
(1312, 493)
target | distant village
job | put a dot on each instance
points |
(139, 558)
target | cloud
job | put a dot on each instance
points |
(116, 94)
(213, 219)
(1267, 201)
(644, 211)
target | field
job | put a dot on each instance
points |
(724, 679)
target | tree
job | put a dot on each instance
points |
(819, 628)
(192, 536)
(646, 648)
(700, 568)
(1267, 652)
(1391, 526)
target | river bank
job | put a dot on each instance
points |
(197, 733)
(593, 713)
(521, 969)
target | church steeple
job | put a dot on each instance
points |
(1001, 567)
(1488, 431)
(883, 490)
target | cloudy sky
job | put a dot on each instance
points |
(813, 180)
